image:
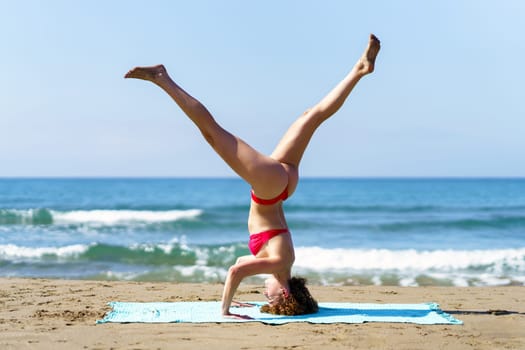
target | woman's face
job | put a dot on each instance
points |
(273, 291)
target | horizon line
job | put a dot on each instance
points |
(335, 177)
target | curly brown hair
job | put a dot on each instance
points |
(298, 302)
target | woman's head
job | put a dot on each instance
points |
(298, 301)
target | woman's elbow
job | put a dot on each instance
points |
(234, 272)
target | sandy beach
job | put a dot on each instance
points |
(61, 314)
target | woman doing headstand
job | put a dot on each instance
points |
(272, 178)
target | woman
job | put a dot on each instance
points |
(273, 179)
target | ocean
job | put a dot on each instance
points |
(406, 232)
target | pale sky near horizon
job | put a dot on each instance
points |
(446, 98)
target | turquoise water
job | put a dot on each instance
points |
(346, 231)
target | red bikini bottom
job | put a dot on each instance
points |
(257, 240)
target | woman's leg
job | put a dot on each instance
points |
(266, 175)
(294, 142)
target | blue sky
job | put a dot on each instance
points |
(446, 98)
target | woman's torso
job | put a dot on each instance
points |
(266, 217)
(269, 217)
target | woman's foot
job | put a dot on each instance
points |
(152, 73)
(366, 63)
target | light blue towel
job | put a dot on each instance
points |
(202, 312)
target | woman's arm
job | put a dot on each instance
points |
(239, 271)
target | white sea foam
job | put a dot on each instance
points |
(316, 258)
(96, 216)
(111, 217)
(11, 251)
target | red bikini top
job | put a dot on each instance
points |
(282, 197)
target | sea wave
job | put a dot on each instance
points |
(42, 216)
(14, 252)
(314, 258)
(402, 209)
(418, 224)
(412, 267)
(175, 261)
(493, 222)
(300, 218)
(172, 253)
(322, 259)
(330, 208)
